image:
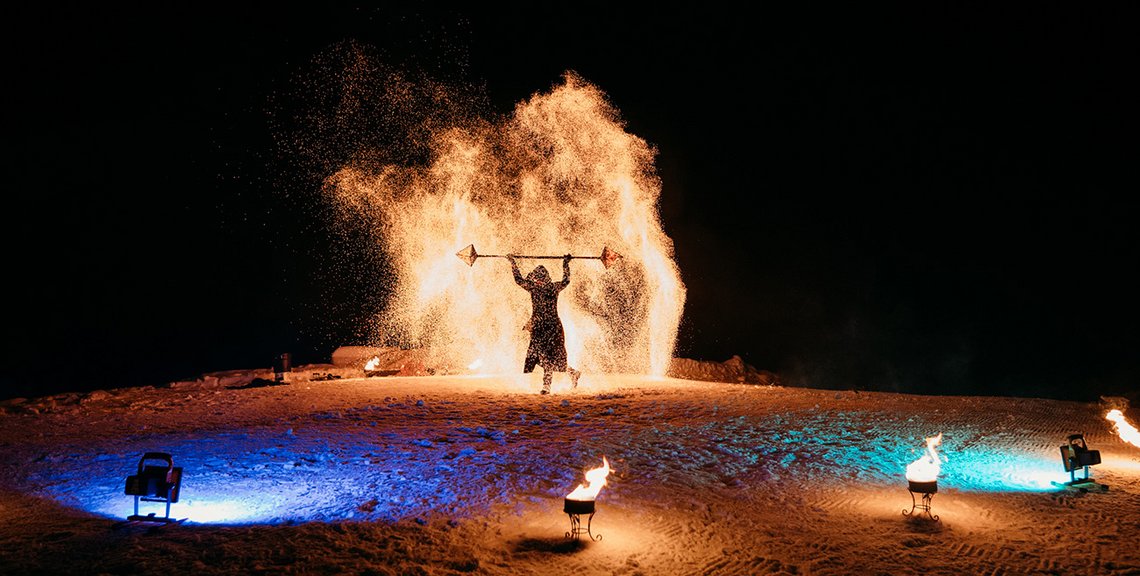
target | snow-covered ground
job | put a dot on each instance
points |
(467, 474)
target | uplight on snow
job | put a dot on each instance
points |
(223, 511)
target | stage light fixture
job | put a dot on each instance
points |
(1075, 455)
(161, 482)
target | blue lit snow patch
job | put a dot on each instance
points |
(254, 480)
(230, 508)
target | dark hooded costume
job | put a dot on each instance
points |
(547, 339)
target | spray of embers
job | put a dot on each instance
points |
(559, 175)
(1124, 429)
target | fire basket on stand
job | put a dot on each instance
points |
(583, 501)
(922, 479)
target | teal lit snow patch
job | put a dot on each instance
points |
(994, 471)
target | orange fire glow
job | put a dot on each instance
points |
(560, 175)
(926, 468)
(595, 479)
(1125, 429)
(372, 364)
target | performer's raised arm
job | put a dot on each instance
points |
(565, 271)
(515, 270)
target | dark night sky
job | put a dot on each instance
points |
(924, 199)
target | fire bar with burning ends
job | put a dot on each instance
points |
(469, 255)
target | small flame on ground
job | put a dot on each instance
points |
(595, 479)
(1126, 430)
(475, 365)
(926, 468)
(372, 364)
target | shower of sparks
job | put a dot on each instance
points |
(560, 175)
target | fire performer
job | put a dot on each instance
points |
(547, 339)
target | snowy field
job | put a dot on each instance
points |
(465, 474)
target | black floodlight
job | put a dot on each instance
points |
(1075, 455)
(158, 480)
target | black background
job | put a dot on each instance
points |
(925, 199)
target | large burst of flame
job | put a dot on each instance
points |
(926, 468)
(1124, 429)
(595, 479)
(560, 175)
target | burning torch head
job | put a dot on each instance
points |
(539, 274)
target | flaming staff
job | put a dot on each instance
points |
(469, 255)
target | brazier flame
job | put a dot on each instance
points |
(595, 479)
(1124, 429)
(926, 468)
